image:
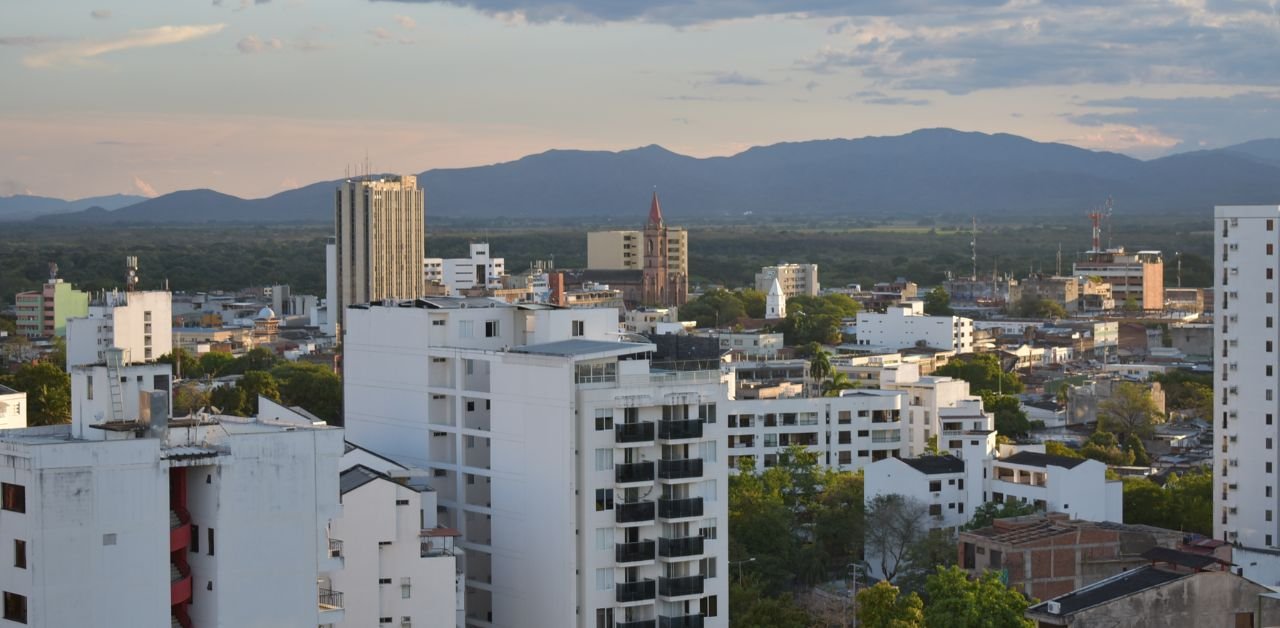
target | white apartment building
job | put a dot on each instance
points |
(397, 565)
(952, 487)
(479, 270)
(1246, 499)
(646, 320)
(621, 250)
(751, 345)
(138, 323)
(153, 522)
(935, 406)
(847, 432)
(379, 238)
(587, 486)
(13, 408)
(906, 325)
(797, 280)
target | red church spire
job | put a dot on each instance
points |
(655, 211)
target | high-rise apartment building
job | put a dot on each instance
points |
(1136, 278)
(588, 484)
(379, 242)
(43, 313)
(797, 280)
(1246, 494)
(138, 323)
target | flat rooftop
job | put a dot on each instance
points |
(586, 348)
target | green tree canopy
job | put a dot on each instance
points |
(884, 606)
(48, 391)
(984, 374)
(752, 607)
(985, 514)
(313, 387)
(216, 364)
(1129, 410)
(955, 601)
(1011, 419)
(1033, 306)
(937, 302)
(715, 308)
(255, 384)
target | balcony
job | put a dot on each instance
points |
(681, 621)
(680, 469)
(680, 508)
(633, 512)
(676, 430)
(637, 623)
(680, 547)
(629, 473)
(637, 552)
(633, 432)
(635, 591)
(330, 602)
(680, 587)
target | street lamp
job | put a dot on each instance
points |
(856, 570)
(739, 563)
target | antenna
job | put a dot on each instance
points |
(1178, 254)
(1095, 218)
(1059, 270)
(1109, 222)
(131, 276)
(53, 271)
(973, 245)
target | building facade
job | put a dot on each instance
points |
(847, 432)
(478, 270)
(796, 280)
(906, 325)
(1134, 277)
(588, 488)
(43, 313)
(379, 242)
(13, 408)
(139, 324)
(1246, 499)
(659, 252)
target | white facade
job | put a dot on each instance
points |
(847, 432)
(752, 345)
(775, 303)
(150, 522)
(797, 280)
(906, 325)
(139, 323)
(935, 406)
(395, 561)
(1245, 495)
(13, 408)
(462, 273)
(588, 488)
(646, 320)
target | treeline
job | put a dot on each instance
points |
(312, 387)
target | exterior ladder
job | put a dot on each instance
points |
(115, 359)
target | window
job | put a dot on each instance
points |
(604, 538)
(996, 559)
(845, 438)
(604, 579)
(1270, 322)
(404, 588)
(577, 328)
(15, 607)
(14, 498)
(604, 419)
(466, 329)
(195, 539)
(1271, 248)
(708, 567)
(1271, 224)
(1268, 491)
(604, 618)
(707, 412)
(491, 329)
(438, 322)
(384, 580)
(1268, 467)
(385, 620)
(604, 499)
(89, 386)
(19, 554)
(471, 406)
(1268, 515)
(402, 502)
(604, 460)
(708, 529)
(935, 510)
(1268, 443)
(1269, 416)
(210, 539)
(1270, 273)
(707, 451)
(708, 606)
(935, 486)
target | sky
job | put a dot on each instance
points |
(253, 97)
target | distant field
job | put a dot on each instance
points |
(228, 257)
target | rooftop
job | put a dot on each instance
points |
(585, 348)
(357, 476)
(935, 465)
(1036, 459)
(1113, 588)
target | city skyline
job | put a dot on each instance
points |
(113, 96)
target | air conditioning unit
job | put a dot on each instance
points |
(1053, 608)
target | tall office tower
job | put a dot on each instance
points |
(585, 480)
(378, 228)
(1246, 497)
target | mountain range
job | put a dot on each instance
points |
(925, 172)
(24, 206)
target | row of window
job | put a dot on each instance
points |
(707, 606)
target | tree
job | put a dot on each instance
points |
(1105, 448)
(1129, 410)
(937, 548)
(48, 391)
(1059, 448)
(816, 319)
(1183, 503)
(715, 308)
(1145, 502)
(216, 363)
(937, 302)
(751, 607)
(1032, 306)
(1011, 419)
(184, 364)
(955, 601)
(883, 606)
(820, 365)
(985, 514)
(1191, 393)
(8, 324)
(1130, 305)
(838, 517)
(894, 523)
(189, 397)
(311, 386)
(836, 383)
(1134, 446)
(984, 374)
(753, 302)
(257, 384)
(258, 359)
(229, 399)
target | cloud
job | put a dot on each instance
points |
(253, 44)
(1048, 42)
(26, 40)
(143, 187)
(405, 22)
(381, 33)
(731, 78)
(83, 51)
(690, 12)
(876, 97)
(100, 14)
(811, 85)
(1193, 122)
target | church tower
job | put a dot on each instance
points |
(656, 290)
(775, 303)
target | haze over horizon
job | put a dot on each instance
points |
(250, 97)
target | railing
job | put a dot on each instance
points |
(672, 377)
(633, 512)
(330, 599)
(636, 552)
(335, 548)
(688, 428)
(680, 469)
(682, 621)
(678, 587)
(633, 472)
(635, 591)
(680, 508)
(633, 432)
(680, 547)
(637, 623)
(890, 439)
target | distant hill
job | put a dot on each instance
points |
(22, 207)
(925, 172)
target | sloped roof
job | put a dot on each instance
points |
(1034, 459)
